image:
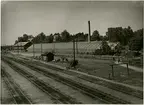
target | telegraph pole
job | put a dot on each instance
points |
(21, 47)
(77, 45)
(74, 49)
(41, 45)
(54, 40)
(41, 48)
(53, 47)
(33, 51)
(18, 48)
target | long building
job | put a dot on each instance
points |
(67, 47)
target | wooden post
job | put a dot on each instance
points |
(112, 71)
(74, 49)
(18, 49)
(109, 76)
(127, 69)
(41, 49)
(77, 45)
(53, 47)
(33, 51)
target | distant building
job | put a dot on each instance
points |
(22, 46)
(48, 56)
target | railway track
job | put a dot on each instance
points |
(92, 92)
(55, 94)
(117, 87)
(15, 91)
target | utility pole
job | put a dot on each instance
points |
(54, 40)
(53, 47)
(21, 47)
(18, 47)
(127, 69)
(77, 45)
(41, 49)
(33, 51)
(74, 49)
(112, 71)
(41, 45)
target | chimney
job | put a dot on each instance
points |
(89, 31)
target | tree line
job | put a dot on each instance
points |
(64, 36)
(125, 36)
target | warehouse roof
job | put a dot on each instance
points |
(20, 43)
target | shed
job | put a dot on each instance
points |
(49, 56)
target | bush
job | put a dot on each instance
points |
(98, 52)
(74, 63)
(137, 54)
(111, 52)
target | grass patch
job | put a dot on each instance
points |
(102, 69)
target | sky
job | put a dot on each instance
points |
(34, 17)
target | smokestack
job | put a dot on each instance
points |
(89, 31)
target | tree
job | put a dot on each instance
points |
(105, 38)
(86, 36)
(105, 48)
(65, 36)
(118, 49)
(25, 37)
(57, 37)
(136, 42)
(80, 36)
(49, 39)
(16, 42)
(127, 35)
(20, 39)
(101, 37)
(30, 36)
(40, 38)
(119, 34)
(95, 36)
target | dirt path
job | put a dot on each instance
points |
(137, 69)
(97, 77)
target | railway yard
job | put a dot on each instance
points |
(71, 52)
(30, 81)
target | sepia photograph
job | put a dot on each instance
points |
(72, 52)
